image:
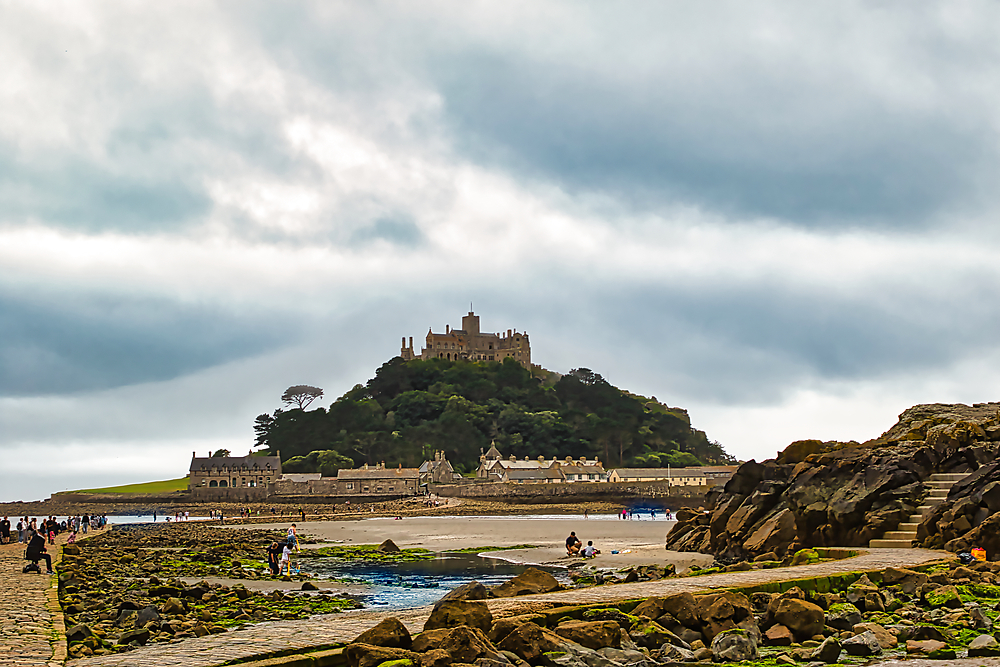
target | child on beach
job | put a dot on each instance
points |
(286, 553)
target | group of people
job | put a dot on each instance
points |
(279, 554)
(574, 547)
(49, 527)
(628, 514)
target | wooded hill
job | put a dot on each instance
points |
(410, 409)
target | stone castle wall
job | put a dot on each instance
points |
(661, 491)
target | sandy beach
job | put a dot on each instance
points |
(642, 539)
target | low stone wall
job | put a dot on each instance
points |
(111, 498)
(235, 494)
(658, 493)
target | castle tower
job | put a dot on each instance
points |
(470, 323)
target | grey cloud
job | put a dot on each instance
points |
(84, 343)
(398, 230)
(770, 149)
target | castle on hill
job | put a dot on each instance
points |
(470, 344)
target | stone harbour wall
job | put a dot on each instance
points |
(659, 491)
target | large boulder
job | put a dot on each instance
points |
(466, 644)
(843, 616)
(722, 611)
(136, 636)
(389, 547)
(984, 646)
(504, 626)
(803, 618)
(390, 633)
(530, 642)
(472, 590)
(885, 638)
(592, 634)
(865, 645)
(453, 613)
(529, 582)
(146, 615)
(650, 634)
(366, 655)
(828, 651)
(734, 645)
(683, 607)
(776, 531)
(429, 639)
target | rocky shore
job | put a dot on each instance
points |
(816, 494)
(943, 613)
(124, 588)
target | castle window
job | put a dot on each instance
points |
(222, 483)
(213, 483)
(350, 486)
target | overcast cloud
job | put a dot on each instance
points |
(779, 216)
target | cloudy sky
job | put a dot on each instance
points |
(780, 216)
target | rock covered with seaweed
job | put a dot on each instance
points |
(816, 494)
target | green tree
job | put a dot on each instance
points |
(301, 395)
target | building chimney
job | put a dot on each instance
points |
(447, 328)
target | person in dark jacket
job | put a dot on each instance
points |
(273, 558)
(36, 552)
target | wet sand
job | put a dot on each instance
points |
(644, 539)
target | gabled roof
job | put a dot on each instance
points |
(265, 464)
(493, 453)
(537, 473)
(379, 473)
(582, 470)
(660, 472)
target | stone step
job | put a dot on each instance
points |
(932, 501)
(939, 485)
(910, 526)
(891, 544)
(916, 518)
(948, 476)
(900, 535)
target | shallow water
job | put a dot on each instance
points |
(418, 583)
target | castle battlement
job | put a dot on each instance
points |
(470, 344)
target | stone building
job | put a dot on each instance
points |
(438, 471)
(233, 472)
(493, 466)
(470, 344)
(692, 476)
(379, 480)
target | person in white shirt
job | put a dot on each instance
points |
(286, 553)
(590, 550)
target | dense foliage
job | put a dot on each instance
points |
(412, 408)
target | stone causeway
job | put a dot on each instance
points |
(32, 633)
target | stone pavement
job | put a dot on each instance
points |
(31, 623)
(270, 637)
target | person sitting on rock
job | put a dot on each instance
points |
(573, 544)
(36, 551)
(590, 550)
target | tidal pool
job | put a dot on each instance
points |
(418, 583)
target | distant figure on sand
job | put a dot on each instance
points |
(573, 544)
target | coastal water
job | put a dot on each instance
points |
(417, 583)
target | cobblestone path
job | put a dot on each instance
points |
(31, 627)
(264, 638)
